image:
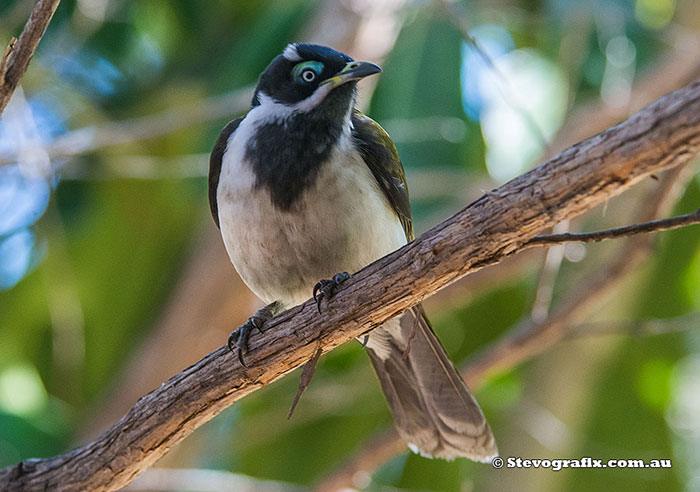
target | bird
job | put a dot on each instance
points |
(304, 189)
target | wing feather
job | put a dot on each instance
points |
(380, 155)
(215, 160)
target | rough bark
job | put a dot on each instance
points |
(661, 136)
(19, 53)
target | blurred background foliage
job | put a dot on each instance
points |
(113, 278)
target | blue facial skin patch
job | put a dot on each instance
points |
(316, 66)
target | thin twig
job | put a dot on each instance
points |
(19, 54)
(659, 225)
(677, 68)
(90, 139)
(550, 269)
(644, 327)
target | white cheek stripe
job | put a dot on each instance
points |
(272, 108)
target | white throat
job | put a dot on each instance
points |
(269, 110)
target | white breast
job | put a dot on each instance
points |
(341, 223)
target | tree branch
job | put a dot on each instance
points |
(18, 55)
(661, 136)
(630, 230)
(530, 336)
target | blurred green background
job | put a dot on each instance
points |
(113, 277)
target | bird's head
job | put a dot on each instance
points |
(311, 78)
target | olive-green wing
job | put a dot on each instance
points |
(380, 154)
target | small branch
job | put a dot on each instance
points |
(379, 450)
(659, 225)
(645, 327)
(664, 135)
(550, 269)
(676, 68)
(18, 55)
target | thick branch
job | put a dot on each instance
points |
(658, 225)
(18, 55)
(661, 136)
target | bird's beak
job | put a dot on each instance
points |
(352, 71)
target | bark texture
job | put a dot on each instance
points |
(19, 52)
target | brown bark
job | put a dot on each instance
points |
(18, 54)
(661, 136)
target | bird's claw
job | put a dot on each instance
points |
(325, 288)
(238, 339)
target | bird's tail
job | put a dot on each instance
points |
(433, 409)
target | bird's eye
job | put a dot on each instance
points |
(308, 71)
(308, 75)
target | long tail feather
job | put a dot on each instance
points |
(433, 409)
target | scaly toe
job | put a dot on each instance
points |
(238, 339)
(325, 289)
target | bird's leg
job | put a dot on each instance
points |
(238, 339)
(325, 288)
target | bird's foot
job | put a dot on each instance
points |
(325, 288)
(238, 339)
